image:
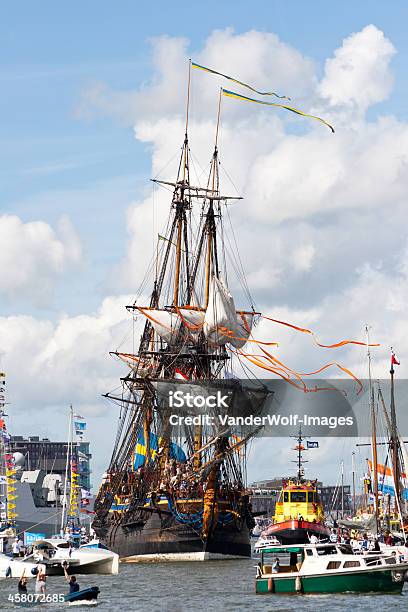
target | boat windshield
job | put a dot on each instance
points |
(298, 496)
(281, 561)
(326, 550)
(346, 549)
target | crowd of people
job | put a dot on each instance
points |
(176, 479)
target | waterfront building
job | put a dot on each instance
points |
(49, 456)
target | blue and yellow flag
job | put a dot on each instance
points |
(261, 93)
(233, 94)
(176, 452)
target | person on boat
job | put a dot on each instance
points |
(15, 548)
(275, 566)
(333, 536)
(21, 545)
(40, 585)
(389, 540)
(22, 583)
(364, 542)
(376, 546)
(314, 539)
(72, 581)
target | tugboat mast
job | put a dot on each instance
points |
(300, 461)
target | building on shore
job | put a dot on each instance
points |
(44, 454)
(335, 501)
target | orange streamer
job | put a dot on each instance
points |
(279, 367)
(309, 331)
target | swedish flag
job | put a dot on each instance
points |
(176, 452)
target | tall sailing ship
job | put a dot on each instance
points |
(179, 491)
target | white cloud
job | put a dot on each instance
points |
(66, 361)
(33, 255)
(358, 75)
(303, 256)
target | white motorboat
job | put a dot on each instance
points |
(265, 542)
(54, 552)
(327, 568)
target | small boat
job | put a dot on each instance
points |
(53, 552)
(265, 541)
(88, 594)
(327, 568)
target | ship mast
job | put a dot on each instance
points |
(394, 442)
(300, 461)
(181, 204)
(373, 432)
(213, 180)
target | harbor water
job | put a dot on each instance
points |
(186, 587)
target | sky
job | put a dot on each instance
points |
(92, 106)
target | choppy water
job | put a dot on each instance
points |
(209, 586)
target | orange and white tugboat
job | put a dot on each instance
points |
(299, 512)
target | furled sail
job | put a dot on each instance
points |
(165, 323)
(193, 318)
(220, 318)
(222, 323)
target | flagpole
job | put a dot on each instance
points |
(353, 470)
(394, 440)
(373, 433)
(64, 505)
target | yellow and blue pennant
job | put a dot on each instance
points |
(233, 94)
(261, 93)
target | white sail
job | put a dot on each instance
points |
(192, 318)
(243, 329)
(220, 321)
(166, 324)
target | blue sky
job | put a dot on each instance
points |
(50, 54)
(55, 162)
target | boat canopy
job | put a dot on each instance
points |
(284, 549)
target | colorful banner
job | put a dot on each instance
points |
(386, 480)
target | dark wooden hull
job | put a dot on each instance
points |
(162, 537)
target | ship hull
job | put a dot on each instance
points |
(159, 539)
(297, 532)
